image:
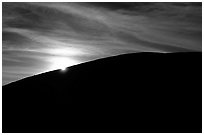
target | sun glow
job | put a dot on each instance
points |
(62, 63)
(66, 51)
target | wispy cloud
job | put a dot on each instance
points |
(34, 33)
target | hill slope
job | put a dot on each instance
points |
(142, 92)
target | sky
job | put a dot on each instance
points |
(41, 37)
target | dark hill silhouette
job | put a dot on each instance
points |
(141, 92)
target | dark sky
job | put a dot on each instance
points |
(39, 37)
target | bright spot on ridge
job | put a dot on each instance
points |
(62, 63)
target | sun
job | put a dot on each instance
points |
(62, 63)
(64, 68)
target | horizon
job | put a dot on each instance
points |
(66, 69)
